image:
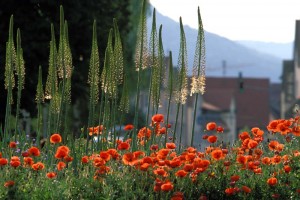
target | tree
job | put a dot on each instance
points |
(34, 17)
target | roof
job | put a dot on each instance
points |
(252, 104)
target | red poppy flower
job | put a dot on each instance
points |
(168, 186)
(217, 154)
(105, 155)
(34, 151)
(161, 172)
(211, 126)
(12, 145)
(98, 162)
(128, 127)
(123, 146)
(55, 138)
(61, 152)
(181, 173)
(230, 191)
(28, 161)
(170, 145)
(235, 178)
(244, 135)
(85, 159)
(212, 139)
(220, 129)
(25, 154)
(129, 159)
(272, 181)
(38, 166)
(9, 184)
(287, 168)
(68, 158)
(158, 118)
(60, 166)
(3, 161)
(51, 174)
(246, 189)
(177, 196)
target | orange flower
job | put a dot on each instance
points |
(273, 144)
(217, 154)
(211, 126)
(177, 196)
(3, 161)
(287, 168)
(252, 144)
(25, 154)
(114, 153)
(38, 166)
(276, 159)
(170, 145)
(12, 145)
(9, 184)
(15, 161)
(128, 127)
(96, 130)
(34, 151)
(212, 139)
(188, 167)
(235, 178)
(85, 159)
(144, 166)
(266, 160)
(60, 165)
(28, 161)
(246, 189)
(244, 135)
(181, 173)
(102, 170)
(273, 125)
(158, 118)
(161, 172)
(105, 155)
(55, 138)
(129, 159)
(61, 152)
(153, 147)
(98, 162)
(51, 174)
(168, 186)
(242, 159)
(296, 131)
(272, 181)
(68, 158)
(230, 191)
(220, 129)
(123, 146)
(176, 162)
(144, 133)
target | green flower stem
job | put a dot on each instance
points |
(170, 81)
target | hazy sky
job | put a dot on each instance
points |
(261, 20)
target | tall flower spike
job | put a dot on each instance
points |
(20, 64)
(51, 83)
(141, 50)
(198, 79)
(153, 56)
(182, 90)
(39, 97)
(108, 76)
(67, 64)
(118, 54)
(124, 102)
(93, 78)
(10, 61)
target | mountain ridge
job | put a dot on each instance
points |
(219, 50)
